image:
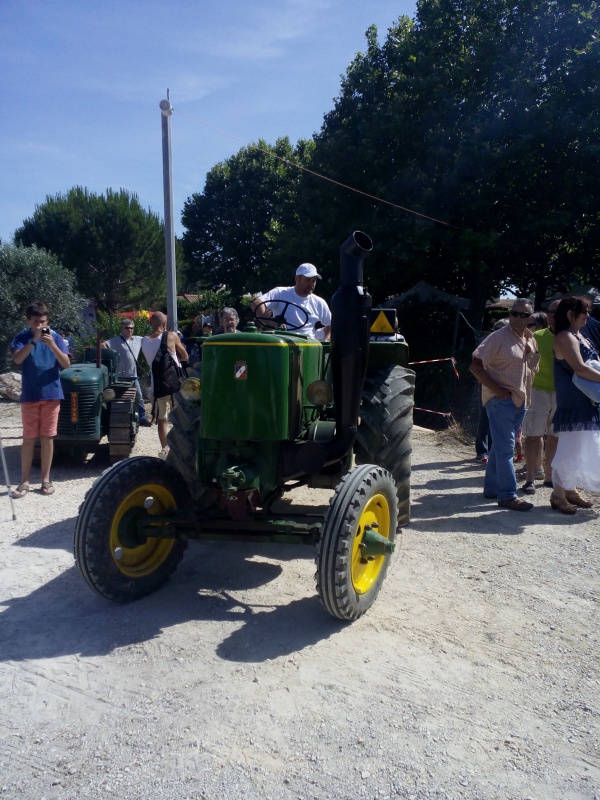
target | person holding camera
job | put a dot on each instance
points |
(42, 353)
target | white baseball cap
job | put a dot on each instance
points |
(308, 270)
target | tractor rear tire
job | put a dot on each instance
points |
(183, 441)
(110, 568)
(348, 583)
(384, 433)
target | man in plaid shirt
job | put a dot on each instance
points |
(505, 363)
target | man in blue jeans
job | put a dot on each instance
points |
(505, 363)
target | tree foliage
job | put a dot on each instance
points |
(480, 115)
(28, 274)
(114, 247)
(483, 115)
(232, 226)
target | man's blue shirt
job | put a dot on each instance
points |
(41, 371)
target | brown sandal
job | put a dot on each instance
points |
(516, 504)
(47, 489)
(20, 491)
(562, 504)
(577, 500)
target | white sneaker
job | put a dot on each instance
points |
(163, 453)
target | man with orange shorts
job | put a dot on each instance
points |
(41, 353)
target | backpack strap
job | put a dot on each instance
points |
(163, 343)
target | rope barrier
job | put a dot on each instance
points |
(429, 411)
(434, 360)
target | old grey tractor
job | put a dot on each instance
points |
(97, 403)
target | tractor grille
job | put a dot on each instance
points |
(88, 413)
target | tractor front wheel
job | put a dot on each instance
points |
(114, 561)
(356, 541)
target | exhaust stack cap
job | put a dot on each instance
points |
(352, 253)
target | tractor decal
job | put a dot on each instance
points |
(74, 407)
(241, 370)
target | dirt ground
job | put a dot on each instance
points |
(475, 674)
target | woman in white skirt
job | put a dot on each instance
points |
(576, 420)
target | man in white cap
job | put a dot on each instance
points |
(307, 309)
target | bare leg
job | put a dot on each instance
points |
(47, 445)
(533, 454)
(551, 445)
(162, 433)
(26, 459)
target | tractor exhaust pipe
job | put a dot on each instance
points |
(350, 312)
(350, 307)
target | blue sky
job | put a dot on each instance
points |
(81, 81)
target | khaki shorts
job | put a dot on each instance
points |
(40, 419)
(164, 406)
(539, 415)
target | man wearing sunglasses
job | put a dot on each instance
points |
(505, 363)
(128, 347)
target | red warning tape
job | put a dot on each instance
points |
(434, 360)
(429, 411)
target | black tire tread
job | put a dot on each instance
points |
(384, 433)
(92, 529)
(182, 439)
(334, 549)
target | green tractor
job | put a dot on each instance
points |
(97, 403)
(268, 411)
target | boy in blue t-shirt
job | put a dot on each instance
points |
(41, 353)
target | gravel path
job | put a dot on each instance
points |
(475, 675)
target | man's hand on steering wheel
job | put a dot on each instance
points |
(280, 320)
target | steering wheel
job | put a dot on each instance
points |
(267, 321)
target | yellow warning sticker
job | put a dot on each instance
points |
(384, 321)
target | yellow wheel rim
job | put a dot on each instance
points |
(136, 562)
(365, 572)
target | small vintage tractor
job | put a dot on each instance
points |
(270, 410)
(97, 403)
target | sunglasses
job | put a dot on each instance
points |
(127, 327)
(521, 314)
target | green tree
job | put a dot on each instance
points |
(114, 247)
(232, 226)
(513, 158)
(28, 274)
(482, 114)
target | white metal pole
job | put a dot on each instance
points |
(166, 110)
